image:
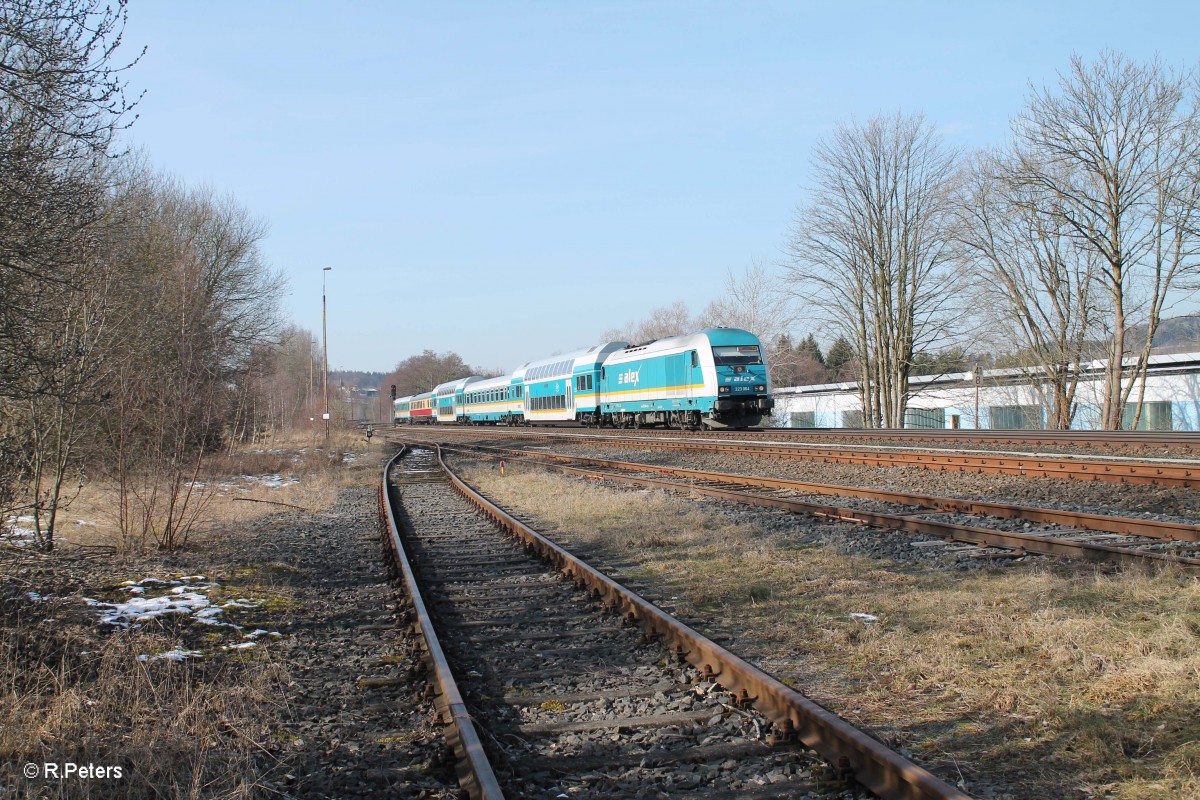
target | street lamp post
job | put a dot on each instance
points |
(325, 356)
(975, 376)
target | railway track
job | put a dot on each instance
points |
(554, 697)
(1104, 441)
(1160, 472)
(1092, 537)
(1181, 441)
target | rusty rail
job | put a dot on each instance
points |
(875, 766)
(988, 537)
(474, 771)
(1185, 475)
(1116, 439)
(1155, 529)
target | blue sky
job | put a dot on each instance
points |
(508, 180)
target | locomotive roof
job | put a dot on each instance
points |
(715, 337)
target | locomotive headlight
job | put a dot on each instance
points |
(722, 390)
(760, 387)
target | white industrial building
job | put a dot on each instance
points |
(1003, 398)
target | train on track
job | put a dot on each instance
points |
(716, 378)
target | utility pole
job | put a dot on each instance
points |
(325, 356)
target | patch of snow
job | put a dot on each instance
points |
(275, 481)
(865, 618)
(144, 609)
(177, 654)
(15, 535)
(186, 595)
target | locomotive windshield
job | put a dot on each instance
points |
(736, 355)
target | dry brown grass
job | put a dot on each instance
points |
(74, 690)
(231, 491)
(68, 694)
(1059, 684)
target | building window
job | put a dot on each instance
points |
(1156, 416)
(1014, 417)
(926, 418)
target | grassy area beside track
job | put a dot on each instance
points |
(193, 708)
(1036, 681)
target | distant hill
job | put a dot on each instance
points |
(1176, 334)
(353, 378)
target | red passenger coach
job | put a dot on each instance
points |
(416, 409)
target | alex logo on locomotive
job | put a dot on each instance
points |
(630, 376)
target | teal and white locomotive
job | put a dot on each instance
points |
(712, 379)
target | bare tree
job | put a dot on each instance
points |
(757, 302)
(1116, 146)
(871, 254)
(1034, 283)
(196, 302)
(664, 321)
(277, 385)
(800, 364)
(59, 413)
(420, 373)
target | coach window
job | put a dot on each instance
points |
(695, 359)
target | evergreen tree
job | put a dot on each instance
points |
(810, 348)
(840, 359)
